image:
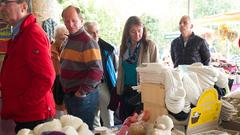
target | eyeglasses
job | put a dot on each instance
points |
(5, 2)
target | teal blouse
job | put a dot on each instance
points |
(129, 67)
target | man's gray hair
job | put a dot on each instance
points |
(87, 24)
(29, 3)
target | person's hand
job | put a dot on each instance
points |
(79, 94)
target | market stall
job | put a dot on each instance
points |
(187, 96)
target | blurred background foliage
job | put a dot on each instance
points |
(160, 17)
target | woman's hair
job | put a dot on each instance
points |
(133, 20)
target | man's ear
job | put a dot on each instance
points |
(24, 6)
(191, 26)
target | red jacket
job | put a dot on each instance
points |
(27, 75)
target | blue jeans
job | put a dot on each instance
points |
(83, 107)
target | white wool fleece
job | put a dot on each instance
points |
(175, 93)
(192, 88)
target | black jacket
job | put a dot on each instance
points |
(196, 50)
(106, 51)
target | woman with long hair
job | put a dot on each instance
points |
(135, 49)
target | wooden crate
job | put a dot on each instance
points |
(153, 93)
(155, 110)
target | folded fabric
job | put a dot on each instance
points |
(151, 73)
(151, 68)
(152, 79)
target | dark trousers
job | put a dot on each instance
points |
(83, 107)
(29, 125)
(130, 102)
(58, 93)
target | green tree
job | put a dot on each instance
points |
(212, 7)
(166, 21)
(152, 25)
(110, 29)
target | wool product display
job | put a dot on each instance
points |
(195, 79)
(151, 78)
(151, 73)
(152, 67)
(207, 78)
(69, 120)
(68, 124)
(230, 109)
(209, 75)
(25, 132)
(162, 125)
(208, 70)
(84, 130)
(204, 85)
(184, 85)
(191, 88)
(212, 132)
(69, 130)
(164, 120)
(222, 79)
(54, 125)
(187, 105)
(234, 94)
(206, 81)
(175, 93)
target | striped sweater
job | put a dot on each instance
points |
(81, 65)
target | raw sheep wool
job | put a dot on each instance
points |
(67, 125)
(69, 120)
(25, 132)
(54, 125)
(69, 130)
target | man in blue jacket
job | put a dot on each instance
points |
(109, 76)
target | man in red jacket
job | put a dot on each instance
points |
(27, 74)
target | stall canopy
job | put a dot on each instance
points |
(231, 17)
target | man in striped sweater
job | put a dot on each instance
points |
(81, 68)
